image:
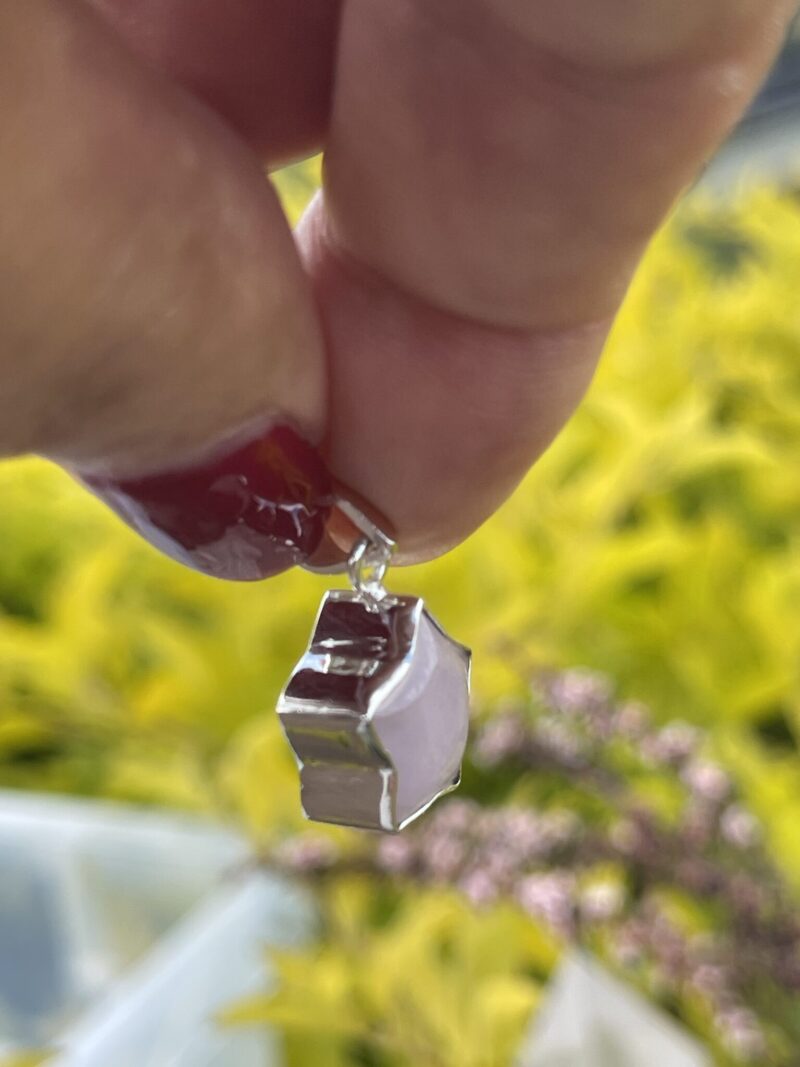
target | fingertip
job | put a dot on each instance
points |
(434, 418)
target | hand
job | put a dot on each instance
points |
(494, 169)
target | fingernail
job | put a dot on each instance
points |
(247, 512)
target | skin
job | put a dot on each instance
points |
(494, 170)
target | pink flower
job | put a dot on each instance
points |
(305, 855)
(578, 691)
(444, 856)
(500, 740)
(455, 817)
(707, 781)
(550, 897)
(739, 828)
(673, 745)
(396, 854)
(631, 720)
(742, 1034)
(479, 888)
(602, 901)
(710, 980)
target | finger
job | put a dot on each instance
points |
(513, 178)
(152, 298)
(492, 177)
(265, 65)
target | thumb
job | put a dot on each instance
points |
(153, 302)
(152, 295)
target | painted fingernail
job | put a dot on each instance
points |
(245, 513)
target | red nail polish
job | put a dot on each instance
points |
(248, 514)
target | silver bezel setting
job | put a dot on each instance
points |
(328, 708)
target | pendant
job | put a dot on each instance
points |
(377, 709)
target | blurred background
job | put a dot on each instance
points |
(633, 786)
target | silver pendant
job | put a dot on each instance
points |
(377, 710)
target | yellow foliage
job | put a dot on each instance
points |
(25, 1059)
(463, 977)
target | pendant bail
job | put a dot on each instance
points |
(361, 550)
(377, 709)
(369, 561)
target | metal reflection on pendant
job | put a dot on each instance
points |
(377, 710)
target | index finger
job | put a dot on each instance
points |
(507, 161)
(495, 169)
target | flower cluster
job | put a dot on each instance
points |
(611, 876)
